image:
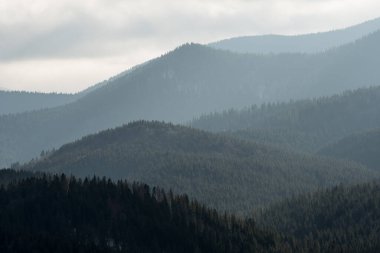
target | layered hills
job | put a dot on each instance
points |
(187, 82)
(306, 125)
(16, 102)
(224, 172)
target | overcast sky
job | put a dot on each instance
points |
(68, 45)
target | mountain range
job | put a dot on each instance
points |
(16, 102)
(254, 144)
(188, 82)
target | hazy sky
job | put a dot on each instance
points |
(68, 45)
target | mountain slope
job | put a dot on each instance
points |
(308, 43)
(306, 125)
(17, 101)
(223, 172)
(62, 214)
(363, 148)
(190, 81)
(342, 219)
(12, 102)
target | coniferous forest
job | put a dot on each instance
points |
(227, 173)
(340, 219)
(64, 214)
(267, 144)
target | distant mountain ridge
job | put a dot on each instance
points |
(25, 101)
(12, 102)
(17, 102)
(305, 43)
(21, 101)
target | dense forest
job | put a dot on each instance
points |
(11, 176)
(340, 219)
(306, 125)
(64, 214)
(187, 82)
(224, 172)
(363, 148)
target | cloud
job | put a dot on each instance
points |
(131, 31)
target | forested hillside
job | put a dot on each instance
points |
(252, 144)
(63, 214)
(306, 125)
(223, 172)
(363, 148)
(187, 82)
(341, 219)
(11, 176)
(307, 43)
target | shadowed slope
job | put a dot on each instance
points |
(221, 171)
